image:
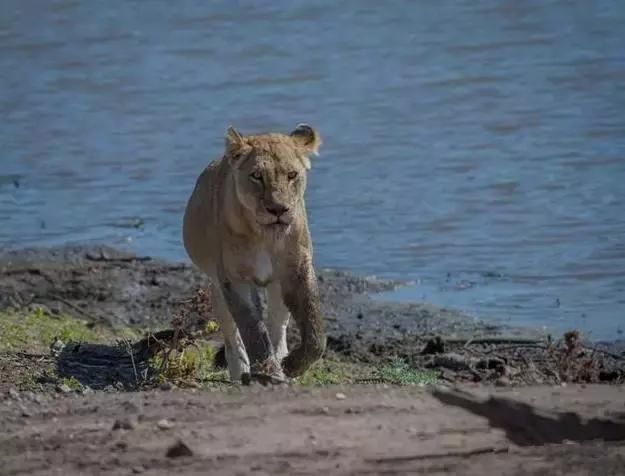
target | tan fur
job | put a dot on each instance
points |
(230, 233)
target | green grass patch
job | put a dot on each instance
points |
(330, 372)
(34, 330)
(400, 373)
(333, 371)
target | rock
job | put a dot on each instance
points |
(164, 424)
(87, 390)
(510, 371)
(491, 363)
(63, 388)
(55, 308)
(121, 445)
(452, 361)
(434, 346)
(503, 381)
(137, 469)
(32, 397)
(13, 394)
(178, 449)
(166, 386)
(124, 424)
(340, 396)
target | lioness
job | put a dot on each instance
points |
(245, 226)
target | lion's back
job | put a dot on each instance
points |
(200, 223)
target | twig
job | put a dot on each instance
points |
(491, 340)
(219, 380)
(74, 307)
(516, 346)
(375, 380)
(605, 352)
(119, 259)
(132, 359)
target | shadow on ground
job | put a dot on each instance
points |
(524, 426)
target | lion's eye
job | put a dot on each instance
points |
(292, 175)
(256, 175)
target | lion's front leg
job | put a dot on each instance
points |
(301, 296)
(248, 306)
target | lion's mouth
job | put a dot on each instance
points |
(278, 225)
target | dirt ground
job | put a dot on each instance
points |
(357, 430)
(507, 400)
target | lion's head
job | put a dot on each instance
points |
(269, 172)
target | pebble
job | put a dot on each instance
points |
(178, 449)
(63, 388)
(14, 394)
(122, 445)
(164, 424)
(124, 424)
(166, 386)
(341, 396)
(503, 382)
(87, 390)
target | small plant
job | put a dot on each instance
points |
(324, 373)
(190, 366)
(400, 373)
(72, 383)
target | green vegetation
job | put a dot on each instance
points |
(330, 372)
(72, 383)
(35, 330)
(333, 371)
(400, 373)
(192, 366)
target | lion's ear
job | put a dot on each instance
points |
(307, 138)
(234, 141)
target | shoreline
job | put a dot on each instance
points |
(352, 297)
(343, 293)
(115, 288)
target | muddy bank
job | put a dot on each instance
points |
(356, 430)
(112, 287)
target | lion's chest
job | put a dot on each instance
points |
(255, 265)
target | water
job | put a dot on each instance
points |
(476, 147)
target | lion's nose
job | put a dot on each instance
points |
(278, 210)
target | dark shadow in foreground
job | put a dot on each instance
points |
(525, 427)
(125, 365)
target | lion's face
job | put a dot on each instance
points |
(270, 173)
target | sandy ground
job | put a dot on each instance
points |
(533, 430)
